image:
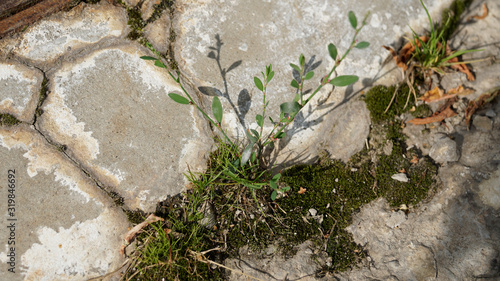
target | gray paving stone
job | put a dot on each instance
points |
(19, 90)
(76, 29)
(64, 227)
(111, 109)
(277, 32)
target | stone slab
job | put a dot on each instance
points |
(19, 90)
(59, 224)
(111, 110)
(222, 45)
(73, 30)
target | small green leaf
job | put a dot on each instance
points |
(260, 120)
(253, 157)
(178, 98)
(246, 154)
(269, 69)
(273, 195)
(344, 80)
(160, 64)
(273, 184)
(270, 76)
(285, 189)
(296, 67)
(250, 137)
(302, 60)
(296, 98)
(271, 119)
(352, 19)
(280, 135)
(255, 133)
(290, 107)
(362, 45)
(148, 58)
(333, 51)
(276, 177)
(217, 109)
(258, 83)
(309, 75)
(294, 84)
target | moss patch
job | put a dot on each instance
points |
(8, 120)
(451, 17)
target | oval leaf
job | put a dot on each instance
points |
(344, 80)
(255, 133)
(178, 98)
(250, 137)
(148, 58)
(246, 154)
(309, 75)
(333, 51)
(276, 177)
(160, 64)
(270, 76)
(290, 107)
(295, 84)
(296, 67)
(352, 19)
(260, 120)
(273, 195)
(217, 109)
(362, 45)
(273, 184)
(258, 83)
(302, 60)
(280, 135)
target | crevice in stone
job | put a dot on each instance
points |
(44, 92)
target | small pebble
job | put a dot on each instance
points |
(400, 177)
(490, 113)
(313, 212)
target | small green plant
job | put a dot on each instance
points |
(432, 52)
(246, 169)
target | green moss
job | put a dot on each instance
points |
(8, 120)
(136, 23)
(159, 8)
(379, 97)
(423, 110)
(43, 95)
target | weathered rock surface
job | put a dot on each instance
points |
(107, 121)
(62, 226)
(221, 46)
(20, 90)
(112, 111)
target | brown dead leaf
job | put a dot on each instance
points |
(302, 190)
(133, 232)
(405, 53)
(460, 67)
(402, 170)
(436, 117)
(437, 94)
(484, 8)
(414, 160)
(480, 102)
(432, 95)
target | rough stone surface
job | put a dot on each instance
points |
(63, 32)
(483, 123)
(66, 228)
(19, 90)
(264, 266)
(444, 150)
(438, 241)
(281, 31)
(112, 111)
(158, 33)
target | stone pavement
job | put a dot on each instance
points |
(98, 134)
